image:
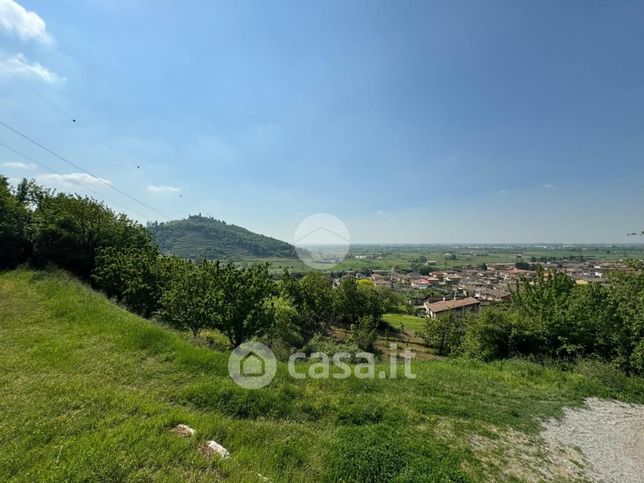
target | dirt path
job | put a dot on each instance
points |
(609, 434)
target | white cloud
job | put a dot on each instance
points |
(78, 179)
(503, 192)
(163, 189)
(17, 20)
(18, 165)
(19, 66)
(549, 186)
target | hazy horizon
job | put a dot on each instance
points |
(428, 122)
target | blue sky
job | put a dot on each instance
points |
(411, 121)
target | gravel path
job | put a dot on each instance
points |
(610, 435)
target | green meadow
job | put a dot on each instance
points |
(406, 322)
(91, 392)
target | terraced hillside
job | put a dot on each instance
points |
(200, 237)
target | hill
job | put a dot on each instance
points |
(202, 237)
(92, 392)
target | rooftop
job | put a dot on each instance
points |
(444, 305)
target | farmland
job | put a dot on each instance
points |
(447, 257)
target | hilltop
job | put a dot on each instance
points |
(200, 237)
(93, 393)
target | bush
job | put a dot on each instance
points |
(363, 334)
(14, 246)
(285, 335)
(69, 231)
(637, 358)
(445, 332)
(136, 277)
(329, 345)
(487, 336)
(602, 373)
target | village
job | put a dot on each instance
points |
(469, 288)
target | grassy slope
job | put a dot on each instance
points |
(409, 322)
(90, 392)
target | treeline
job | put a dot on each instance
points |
(41, 227)
(553, 317)
(119, 257)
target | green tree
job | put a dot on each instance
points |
(70, 230)
(346, 302)
(353, 300)
(191, 299)
(243, 311)
(14, 245)
(544, 300)
(364, 334)
(626, 296)
(590, 323)
(370, 303)
(285, 334)
(135, 276)
(445, 332)
(391, 300)
(488, 335)
(315, 303)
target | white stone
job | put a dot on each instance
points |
(217, 448)
(184, 430)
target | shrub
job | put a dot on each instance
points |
(637, 358)
(445, 333)
(69, 231)
(14, 246)
(488, 336)
(329, 345)
(363, 334)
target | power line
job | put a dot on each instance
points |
(51, 103)
(71, 163)
(29, 158)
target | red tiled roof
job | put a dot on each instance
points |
(444, 305)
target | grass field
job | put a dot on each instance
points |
(407, 322)
(401, 257)
(91, 392)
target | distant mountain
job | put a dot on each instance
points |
(200, 237)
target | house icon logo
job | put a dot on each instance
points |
(321, 241)
(252, 365)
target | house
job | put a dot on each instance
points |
(416, 301)
(382, 283)
(419, 283)
(493, 294)
(445, 306)
(424, 282)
